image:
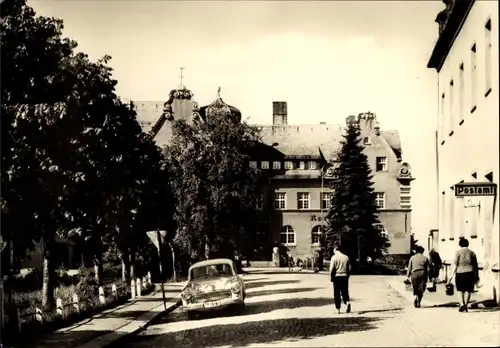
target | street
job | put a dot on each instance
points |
(296, 310)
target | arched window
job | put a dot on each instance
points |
(382, 230)
(287, 235)
(366, 141)
(316, 234)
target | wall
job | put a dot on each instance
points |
(468, 143)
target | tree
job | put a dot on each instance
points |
(215, 189)
(353, 217)
(74, 157)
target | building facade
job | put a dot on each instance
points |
(295, 195)
(465, 57)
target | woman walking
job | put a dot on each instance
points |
(466, 272)
(435, 266)
(418, 272)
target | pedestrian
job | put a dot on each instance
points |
(435, 266)
(340, 271)
(466, 273)
(418, 272)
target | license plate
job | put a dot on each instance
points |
(212, 304)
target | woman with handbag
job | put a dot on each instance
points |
(466, 273)
(418, 272)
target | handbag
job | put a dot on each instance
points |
(431, 286)
(449, 289)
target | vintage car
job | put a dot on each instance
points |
(212, 285)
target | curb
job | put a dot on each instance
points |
(114, 338)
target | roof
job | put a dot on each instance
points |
(299, 141)
(454, 18)
(211, 262)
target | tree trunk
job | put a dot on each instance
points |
(98, 269)
(48, 281)
(132, 263)
(172, 250)
(126, 266)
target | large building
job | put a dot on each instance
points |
(465, 57)
(295, 198)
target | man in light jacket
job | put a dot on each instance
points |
(340, 270)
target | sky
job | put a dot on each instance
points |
(327, 59)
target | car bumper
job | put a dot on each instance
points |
(212, 305)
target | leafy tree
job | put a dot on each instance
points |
(36, 171)
(214, 188)
(353, 215)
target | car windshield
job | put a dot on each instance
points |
(211, 271)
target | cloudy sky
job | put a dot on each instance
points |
(328, 59)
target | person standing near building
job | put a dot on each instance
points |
(340, 271)
(466, 273)
(435, 266)
(418, 272)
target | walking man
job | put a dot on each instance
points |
(340, 270)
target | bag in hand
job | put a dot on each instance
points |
(450, 289)
(431, 287)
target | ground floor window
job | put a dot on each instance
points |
(287, 235)
(316, 234)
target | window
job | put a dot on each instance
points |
(404, 196)
(451, 110)
(326, 200)
(382, 230)
(487, 42)
(264, 165)
(280, 200)
(313, 165)
(287, 236)
(381, 164)
(276, 165)
(443, 116)
(253, 164)
(473, 77)
(303, 200)
(302, 165)
(366, 141)
(288, 165)
(380, 200)
(260, 202)
(461, 93)
(316, 235)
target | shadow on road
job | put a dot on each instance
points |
(278, 291)
(270, 283)
(256, 332)
(381, 310)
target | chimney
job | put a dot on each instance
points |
(279, 113)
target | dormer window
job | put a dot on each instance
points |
(367, 141)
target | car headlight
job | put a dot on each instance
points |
(233, 285)
(186, 294)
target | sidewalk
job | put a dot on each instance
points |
(439, 297)
(112, 324)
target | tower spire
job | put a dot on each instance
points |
(182, 76)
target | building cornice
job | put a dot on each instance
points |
(456, 18)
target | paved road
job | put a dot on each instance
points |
(296, 310)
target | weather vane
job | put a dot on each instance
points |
(182, 76)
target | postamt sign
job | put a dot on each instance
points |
(475, 189)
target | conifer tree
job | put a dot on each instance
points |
(353, 216)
